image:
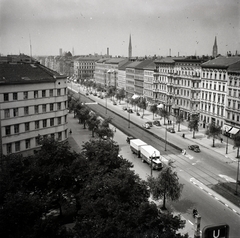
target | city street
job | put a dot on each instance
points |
(198, 172)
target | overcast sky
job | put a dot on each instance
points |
(186, 27)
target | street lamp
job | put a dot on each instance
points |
(106, 103)
(151, 161)
(236, 192)
(166, 138)
(226, 129)
(128, 118)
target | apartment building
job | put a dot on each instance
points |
(121, 81)
(220, 91)
(84, 67)
(33, 103)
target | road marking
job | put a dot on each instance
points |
(88, 103)
(190, 222)
(229, 179)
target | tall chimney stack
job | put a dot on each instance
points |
(107, 52)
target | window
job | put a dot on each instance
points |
(51, 92)
(36, 124)
(17, 146)
(15, 96)
(37, 140)
(59, 120)
(25, 95)
(15, 112)
(35, 94)
(52, 136)
(27, 126)
(45, 123)
(44, 107)
(27, 143)
(5, 96)
(51, 106)
(6, 113)
(9, 148)
(59, 105)
(26, 112)
(43, 93)
(36, 109)
(58, 92)
(51, 121)
(16, 128)
(7, 130)
(59, 135)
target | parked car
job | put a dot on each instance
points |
(171, 130)
(195, 148)
(156, 123)
(146, 126)
(124, 108)
(129, 110)
(95, 94)
(101, 96)
(129, 138)
(150, 123)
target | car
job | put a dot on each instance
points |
(87, 94)
(150, 123)
(129, 138)
(156, 123)
(146, 126)
(124, 108)
(94, 94)
(195, 148)
(171, 130)
(129, 110)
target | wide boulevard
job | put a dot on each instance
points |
(197, 171)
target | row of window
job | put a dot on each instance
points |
(234, 93)
(30, 110)
(211, 108)
(33, 94)
(33, 142)
(211, 75)
(213, 86)
(219, 98)
(233, 104)
(208, 119)
(35, 125)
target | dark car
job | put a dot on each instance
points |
(149, 123)
(195, 148)
(129, 110)
(171, 130)
(129, 138)
(156, 123)
(124, 108)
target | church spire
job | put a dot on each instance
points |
(215, 48)
(130, 48)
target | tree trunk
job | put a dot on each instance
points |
(238, 152)
(213, 144)
(178, 126)
(153, 115)
(164, 201)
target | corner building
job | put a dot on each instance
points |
(33, 103)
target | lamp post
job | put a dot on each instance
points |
(128, 119)
(166, 138)
(151, 161)
(227, 140)
(106, 103)
(236, 192)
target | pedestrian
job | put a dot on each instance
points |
(221, 140)
(70, 131)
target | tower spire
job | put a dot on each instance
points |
(215, 48)
(130, 48)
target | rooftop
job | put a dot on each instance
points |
(12, 73)
(221, 62)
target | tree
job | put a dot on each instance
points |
(120, 95)
(153, 109)
(166, 185)
(193, 124)
(213, 131)
(83, 115)
(142, 104)
(93, 123)
(179, 119)
(236, 140)
(164, 113)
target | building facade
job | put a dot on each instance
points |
(33, 103)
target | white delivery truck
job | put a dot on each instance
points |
(135, 145)
(151, 155)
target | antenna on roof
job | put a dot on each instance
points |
(30, 48)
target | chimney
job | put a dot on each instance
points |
(107, 52)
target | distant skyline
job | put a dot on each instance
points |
(187, 27)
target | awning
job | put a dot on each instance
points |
(233, 131)
(226, 128)
(135, 96)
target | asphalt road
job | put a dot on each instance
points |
(203, 167)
